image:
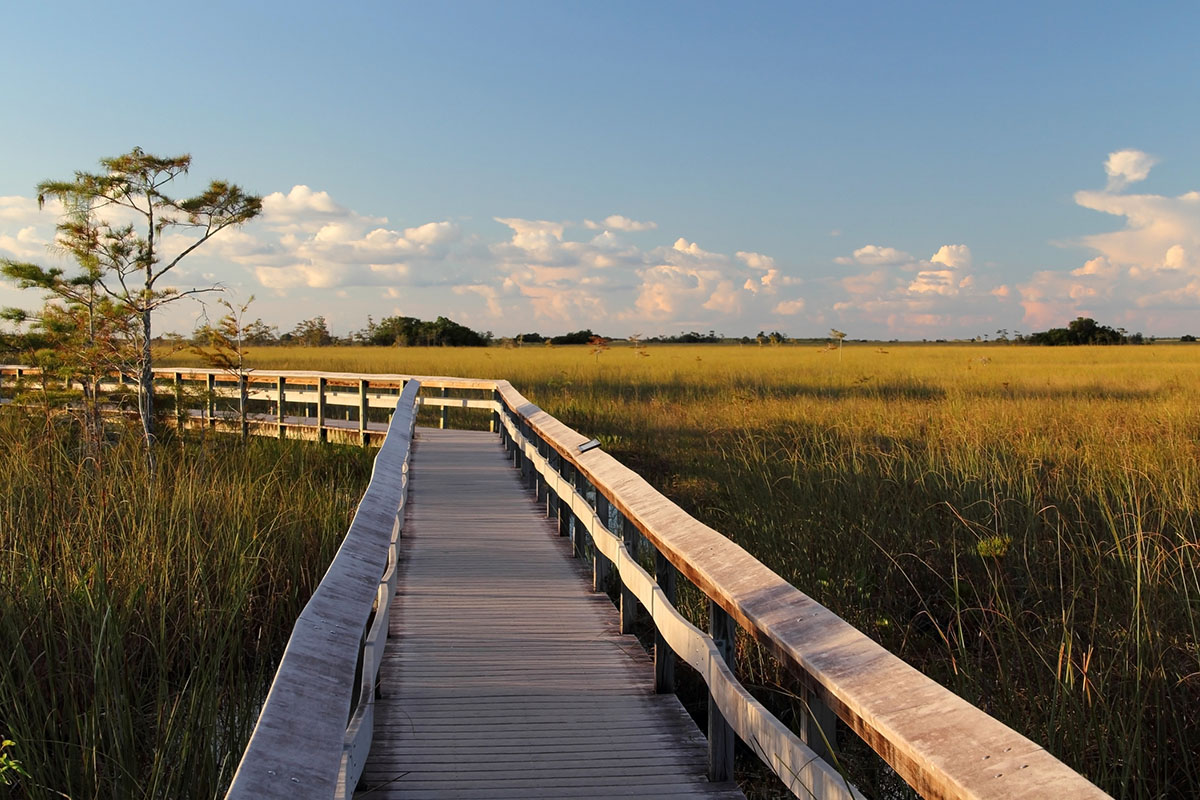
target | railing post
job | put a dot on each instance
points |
(243, 387)
(819, 727)
(539, 480)
(552, 498)
(602, 571)
(363, 405)
(322, 435)
(210, 384)
(720, 735)
(578, 532)
(494, 424)
(279, 391)
(442, 419)
(523, 459)
(564, 505)
(664, 657)
(629, 603)
(179, 409)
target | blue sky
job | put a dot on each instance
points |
(891, 170)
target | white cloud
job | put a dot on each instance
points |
(490, 295)
(1151, 263)
(725, 299)
(872, 255)
(954, 256)
(666, 288)
(690, 248)
(303, 209)
(27, 244)
(616, 222)
(1127, 166)
(756, 260)
(790, 307)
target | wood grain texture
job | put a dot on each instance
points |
(506, 677)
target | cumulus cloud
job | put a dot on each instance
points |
(308, 245)
(1150, 263)
(1127, 166)
(913, 296)
(954, 256)
(616, 222)
(756, 260)
(27, 244)
(873, 255)
(303, 209)
(789, 307)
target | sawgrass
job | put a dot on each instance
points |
(141, 625)
(1017, 522)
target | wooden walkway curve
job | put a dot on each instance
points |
(504, 676)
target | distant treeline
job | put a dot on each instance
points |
(445, 332)
(388, 332)
(1085, 330)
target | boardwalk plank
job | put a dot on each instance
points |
(505, 676)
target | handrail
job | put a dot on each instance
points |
(301, 747)
(318, 390)
(940, 744)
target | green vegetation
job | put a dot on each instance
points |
(410, 331)
(142, 622)
(1017, 522)
(1084, 330)
(122, 263)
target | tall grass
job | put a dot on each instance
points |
(1017, 522)
(140, 626)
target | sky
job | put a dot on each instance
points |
(891, 170)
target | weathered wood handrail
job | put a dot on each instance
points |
(317, 391)
(940, 744)
(302, 746)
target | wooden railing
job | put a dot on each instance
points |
(941, 745)
(328, 671)
(327, 406)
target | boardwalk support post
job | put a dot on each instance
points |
(664, 657)
(363, 406)
(210, 385)
(539, 480)
(442, 417)
(322, 435)
(564, 510)
(553, 500)
(279, 390)
(179, 409)
(578, 534)
(243, 384)
(720, 735)
(629, 602)
(601, 567)
(819, 727)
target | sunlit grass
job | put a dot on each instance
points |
(141, 626)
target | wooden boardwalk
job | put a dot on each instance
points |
(505, 676)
